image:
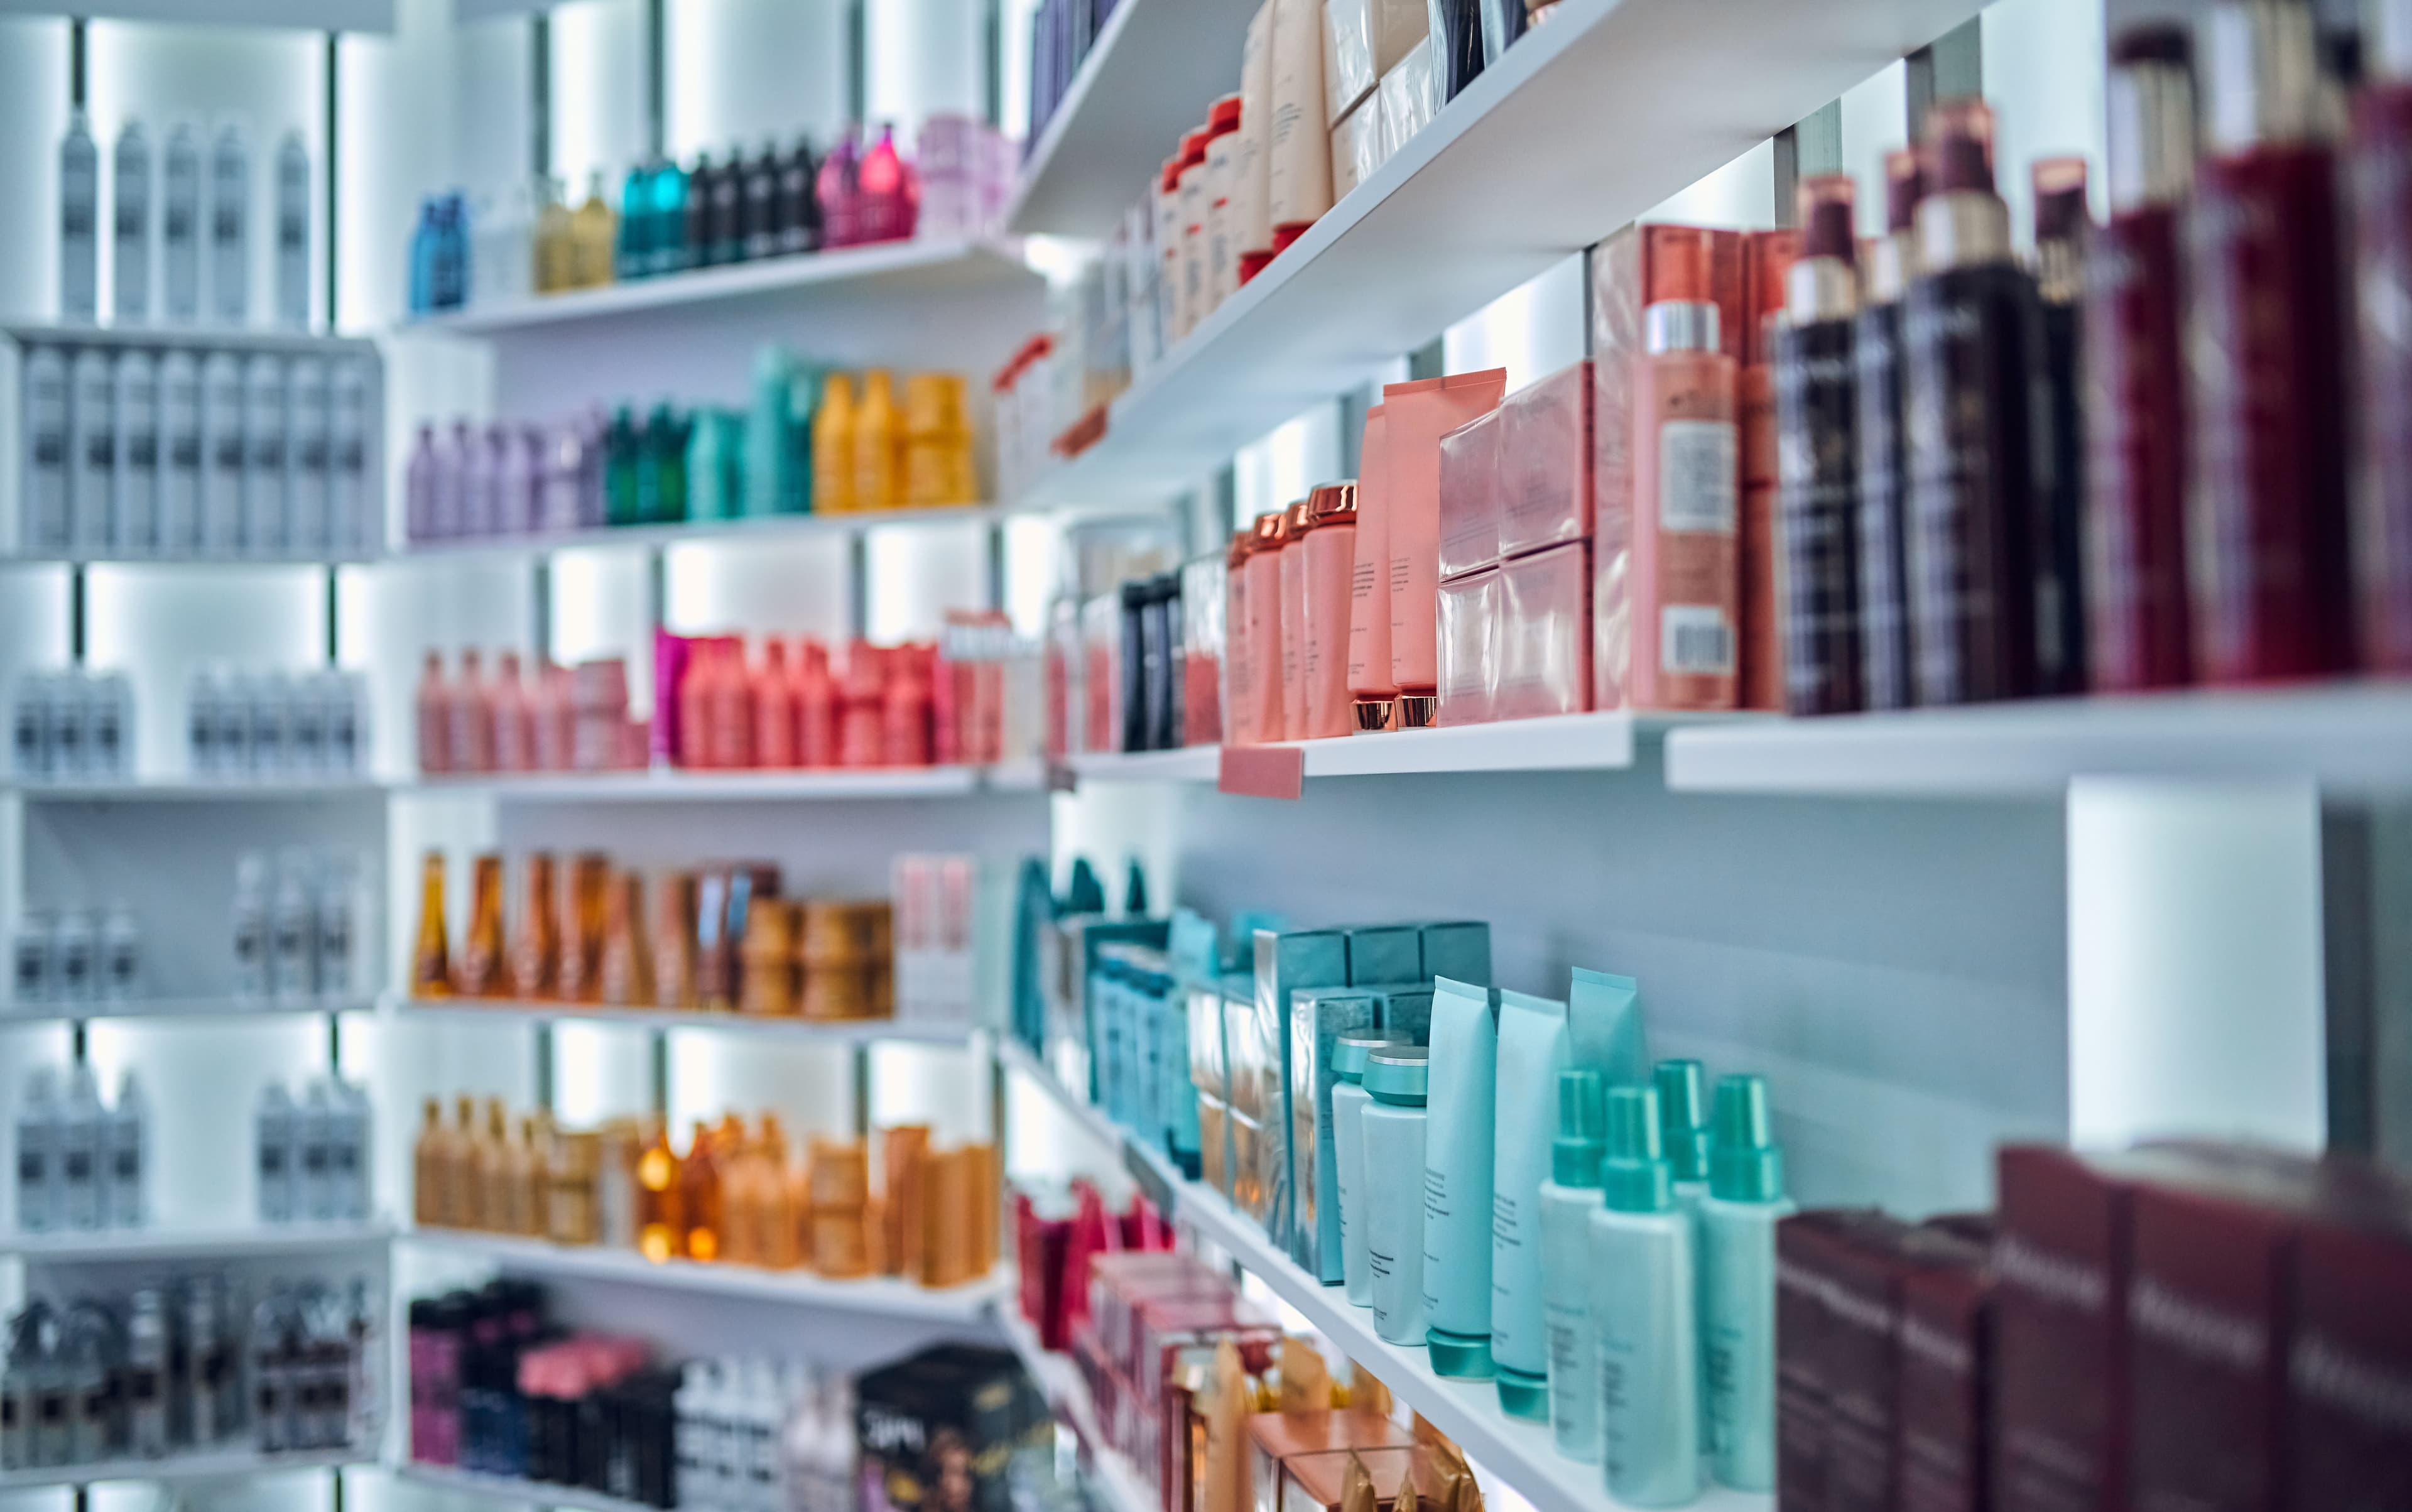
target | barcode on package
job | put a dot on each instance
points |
(1694, 638)
(1696, 476)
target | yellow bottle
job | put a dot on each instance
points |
(877, 439)
(595, 231)
(430, 964)
(963, 478)
(833, 447)
(925, 441)
(553, 240)
(496, 1171)
(661, 1228)
(458, 1206)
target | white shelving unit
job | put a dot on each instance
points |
(261, 1241)
(663, 785)
(186, 791)
(450, 1480)
(184, 1468)
(179, 1007)
(804, 1031)
(1558, 742)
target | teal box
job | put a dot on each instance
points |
(1385, 953)
(1286, 964)
(1318, 1020)
(1459, 951)
(1404, 1008)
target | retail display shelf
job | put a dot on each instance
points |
(104, 558)
(1019, 1057)
(1555, 743)
(452, 1480)
(189, 790)
(110, 1246)
(754, 531)
(902, 269)
(179, 1007)
(2351, 738)
(666, 785)
(213, 1464)
(1068, 1397)
(861, 1031)
(968, 1305)
(1485, 199)
(182, 338)
(1155, 68)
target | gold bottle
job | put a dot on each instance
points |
(554, 238)
(674, 943)
(770, 976)
(535, 945)
(460, 1205)
(430, 964)
(701, 1198)
(496, 1187)
(877, 444)
(628, 970)
(833, 447)
(481, 954)
(582, 943)
(903, 1158)
(841, 1193)
(595, 231)
(428, 1159)
(661, 1223)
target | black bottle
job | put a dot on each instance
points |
(1816, 497)
(725, 224)
(799, 206)
(1456, 30)
(2060, 230)
(696, 231)
(758, 216)
(1971, 345)
(1885, 663)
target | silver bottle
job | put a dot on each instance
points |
(92, 450)
(293, 233)
(354, 526)
(146, 1374)
(180, 456)
(181, 229)
(78, 223)
(308, 451)
(130, 183)
(126, 1158)
(43, 525)
(121, 956)
(134, 520)
(223, 456)
(230, 227)
(263, 437)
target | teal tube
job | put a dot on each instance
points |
(1532, 1052)
(1458, 1154)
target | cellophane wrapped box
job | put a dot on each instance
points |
(1471, 464)
(1544, 634)
(1469, 647)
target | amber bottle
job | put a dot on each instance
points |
(535, 944)
(661, 1224)
(431, 965)
(482, 954)
(701, 1198)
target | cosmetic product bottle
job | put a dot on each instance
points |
(815, 708)
(1416, 415)
(431, 967)
(2134, 374)
(229, 229)
(179, 454)
(310, 530)
(1222, 258)
(876, 436)
(757, 219)
(433, 703)
(2265, 531)
(1683, 1137)
(1971, 345)
(264, 475)
(124, 1156)
(1738, 1222)
(1186, 260)
(293, 233)
(1350, 1100)
(1397, 1079)
(131, 186)
(1290, 575)
(696, 231)
(1328, 570)
(667, 199)
(180, 227)
(222, 456)
(121, 956)
(1685, 454)
(1238, 646)
(1269, 711)
(1455, 28)
(91, 449)
(1459, 1157)
(2061, 230)
(292, 974)
(1532, 1050)
(799, 206)
(1251, 212)
(1568, 1199)
(594, 237)
(1767, 262)
(355, 518)
(38, 1209)
(633, 256)
(771, 691)
(133, 507)
(550, 268)
(78, 1151)
(837, 190)
(480, 972)
(884, 192)
(252, 946)
(46, 523)
(2380, 184)
(78, 223)
(833, 427)
(471, 721)
(1297, 173)
(274, 1134)
(1645, 1314)
(1818, 496)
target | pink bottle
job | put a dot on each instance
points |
(815, 708)
(905, 710)
(1293, 575)
(887, 193)
(840, 192)
(1330, 568)
(1265, 717)
(952, 691)
(472, 726)
(862, 728)
(1239, 647)
(731, 706)
(774, 691)
(514, 736)
(434, 717)
(551, 735)
(694, 743)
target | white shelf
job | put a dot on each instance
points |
(1069, 1398)
(186, 791)
(1557, 742)
(451, 1481)
(673, 787)
(1491, 193)
(207, 564)
(880, 1295)
(214, 1464)
(1154, 69)
(903, 271)
(112, 1246)
(2351, 738)
(159, 338)
(746, 532)
(859, 1032)
(1091, 1118)
(179, 1007)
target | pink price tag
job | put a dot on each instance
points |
(1263, 771)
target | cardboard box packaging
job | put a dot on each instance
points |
(1363, 41)
(1359, 147)
(1285, 964)
(1277, 1438)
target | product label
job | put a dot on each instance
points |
(1697, 469)
(1696, 638)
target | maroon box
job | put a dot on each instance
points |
(1863, 1384)
(1807, 1247)
(2060, 1343)
(1946, 1373)
(2350, 1416)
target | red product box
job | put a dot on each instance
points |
(1807, 1247)
(1945, 1370)
(2060, 1347)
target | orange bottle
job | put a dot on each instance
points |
(815, 708)
(773, 692)
(731, 707)
(699, 1193)
(535, 944)
(774, 1221)
(796, 1187)
(876, 443)
(582, 944)
(661, 1215)
(481, 954)
(833, 447)
(626, 969)
(1687, 571)
(674, 943)
(431, 964)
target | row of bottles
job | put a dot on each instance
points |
(312, 1153)
(246, 726)
(73, 726)
(198, 215)
(69, 956)
(82, 1164)
(297, 926)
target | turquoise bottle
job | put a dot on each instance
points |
(1738, 1222)
(635, 258)
(668, 237)
(621, 504)
(1645, 1309)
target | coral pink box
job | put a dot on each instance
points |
(1470, 610)
(1545, 465)
(1544, 634)
(1470, 469)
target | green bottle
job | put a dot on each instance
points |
(706, 479)
(662, 477)
(766, 431)
(804, 404)
(621, 487)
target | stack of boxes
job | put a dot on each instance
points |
(1379, 86)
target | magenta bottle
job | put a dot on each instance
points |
(2266, 515)
(1817, 498)
(2380, 181)
(840, 193)
(2135, 375)
(886, 197)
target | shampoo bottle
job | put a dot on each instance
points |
(180, 455)
(81, 1123)
(229, 229)
(179, 227)
(293, 233)
(134, 520)
(1568, 1198)
(1738, 1220)
(126, 1146)
(1686, 446)
(36, 1132)
(130, 182)
(833, 487)
(1645, 1314)
(1397, 1079)
(1350, 1100)
(2061, 228)
(274, 1134)
(78, 223)
(1459, 1154)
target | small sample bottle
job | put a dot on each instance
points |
(431, 965)
(1397, 1079)
(1568, 1198)
(2138, 619)
(1645, 1314)
(1686, 489)
(1817, 499)
(1350, 1100)
(78, 223)
(1737, 1233)
(130, 185)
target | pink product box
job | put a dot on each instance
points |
(599, 687)
(1545, 463)
(947, 144)
(1471, 607)
(1470, 471)
(1543, 636)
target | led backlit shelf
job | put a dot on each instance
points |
(452, 1481)
(969, 1305)
(179, 1007)
(672, 786)
(859, 1032)
(1488, 195)
(747, 532)
(1091, 1118)
(112, 1246)
(903, 271)
(214, 1464)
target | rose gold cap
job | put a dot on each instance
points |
(1243, 543)
(1299, 517)
(1376, 717)
(1418, 710)
(1332, 503)
(1272, 531)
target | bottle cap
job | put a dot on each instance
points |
(1745, 1165)
(2059, 198)
(1224, 116)
(1399, 1074)
(1684, 1117)
(1957, 154)
(1634, 1177)
(1575, 1153)
(1350, 1053)
(1523, 1395)
(1271, 530)
(1826, 213)
(1332, 503)
(1299, 518)
(1460, 1356)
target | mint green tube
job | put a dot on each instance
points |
(1459, 1137)
(1532, 1052)
(1604, 1027)
(1738, 1220)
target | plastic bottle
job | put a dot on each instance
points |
(875, 439)
(800, 205)
(91, 449)
(39, 1209)
(78, 223)
(121, 956)
(77, 1152)
(229, 229)
(621, 464)
(146, 1370)
(471, 723)
(833, 427)
(700, 248)
(74, 948)
(336, 908)
(309, 452)
(758, 212)
(251, 926)
(661, 477)
(553, 268)
(661, 1226)
(313, 1144)
(1738, 1223)
(45, 515)
(723, 220)
(222, 456)
(275, 1134)
(293, 972)
(264, 505)
(1645, 1314)
(430, 968)
(729, 711)
(594, 233)
(772, 693)
(130, 185)
(815, 708)
(293, 233)
(1568, 1198)
(355, 518)
(838, 192)
(179, 227)
(886, 195)
(424, 240)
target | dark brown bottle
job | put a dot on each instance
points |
(758, 210)
(728, 226)
(1885, 662)
(2380, 180)
(1970, 348)
(1817, 494)
(698, 228)
(2060, 229)
(800, 208)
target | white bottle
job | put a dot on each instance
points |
(37, 1155)
(1645, 1314)
(292, 974)
(69, 723)
(293, 233)
(29, 729)
(75, 949)
(766, 1414)
(314, 1139)
(125, 1147)
(201, 724)
(348, 723)
(180, 457)
(134, 517)
(354, 527)
(147, 1366)
(251, 925)
(273, 1137)
(1568, 1199)
(130, 185)
(691, 1467)
(268, 729)
(92, 450)
(263, 476)
(80, 1124)
(179, 227)
(121, 956)
(305, 727)
(222, 456)
(233, 740)
(43, 527)
(32, 979)
(350, 1143)
(108, 728)
(230, 228)
(338, 973)
(78, 223)
(308, 444)
(838, 1440)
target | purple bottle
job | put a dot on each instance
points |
(451, 464)
(476, 492)
(419, 487)
(515, 480)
